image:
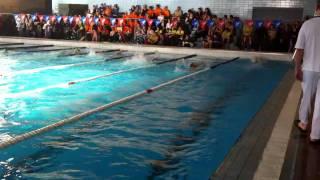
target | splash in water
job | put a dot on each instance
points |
(137, 59)
(92, 52)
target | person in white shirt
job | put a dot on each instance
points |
(307, 70)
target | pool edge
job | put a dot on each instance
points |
(151, 48)
(255, 155)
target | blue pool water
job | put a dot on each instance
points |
(181, 131)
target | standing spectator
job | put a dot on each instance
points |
(308, 72)
(283, 35)
(293, 36)
(272, 38)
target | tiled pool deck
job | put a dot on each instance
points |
(270, 148)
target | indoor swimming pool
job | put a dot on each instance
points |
(183, 130)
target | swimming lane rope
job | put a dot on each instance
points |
(29, 71)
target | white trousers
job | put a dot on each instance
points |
(311, 94)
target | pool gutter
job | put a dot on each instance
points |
(270, 166)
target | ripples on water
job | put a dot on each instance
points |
(182, 131)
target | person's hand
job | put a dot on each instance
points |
(298, 73)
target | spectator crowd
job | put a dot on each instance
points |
(159, 26)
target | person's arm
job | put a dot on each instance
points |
(298, 56)
(299, 53)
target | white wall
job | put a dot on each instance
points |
(242, 8)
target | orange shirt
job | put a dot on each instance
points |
(87, 27)
(150, 13)
(157, 11)
(166, 12)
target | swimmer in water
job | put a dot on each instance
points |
(5, 52)
(196, 65)
(77, 51)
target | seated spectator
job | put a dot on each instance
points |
(140, 35)
(166, 12)
(226, 38)
(247, 36)
(105, 33)
(108, 11)
(161, 17)
(178, 12)
(47, 29)
(207, 13)
(157, 10)
(187, 42)
(152, 36)
(180, 34)
(178, 30)
(115, 10)
(94, 30)
(160, 33)
(126, 33)
(169, 25)
(217, 40)
(150, 12)
(114, 35)
(29, 25)
(144, 10)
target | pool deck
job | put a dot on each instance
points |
(270, 148)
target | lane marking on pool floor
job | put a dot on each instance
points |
(80, 116)
(66, 85)
(86, 53)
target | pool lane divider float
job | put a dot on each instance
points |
(175, 59)
(10, 44)
(129, 70)
(128, 56)
(107, 51)
(40, 131)
(30, 71)
(51, 50)
(86, 53)
(24, 47)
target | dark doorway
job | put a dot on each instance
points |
(285, 14)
